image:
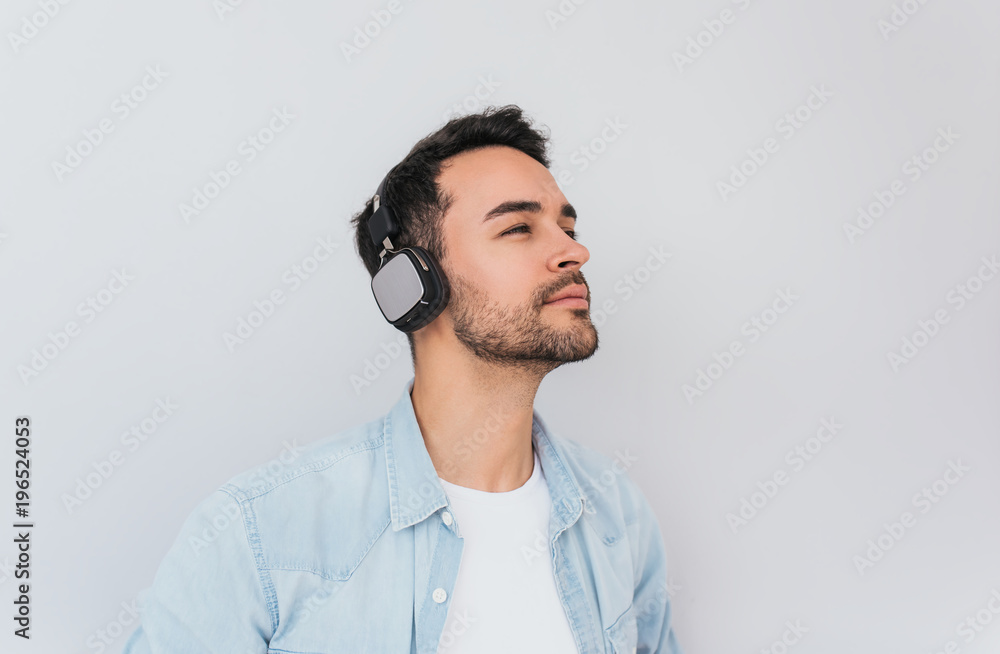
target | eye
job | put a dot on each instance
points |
(523, 229)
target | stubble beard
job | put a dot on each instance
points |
(519, 337)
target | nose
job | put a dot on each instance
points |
(568, 254)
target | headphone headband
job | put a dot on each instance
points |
(380, 191)
(382, 225)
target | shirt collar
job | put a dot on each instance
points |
(415, 491)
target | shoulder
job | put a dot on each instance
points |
(298, 467)
(321, 508)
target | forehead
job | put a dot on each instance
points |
(478, 180)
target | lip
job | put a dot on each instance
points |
(577, 302)
(571, 296)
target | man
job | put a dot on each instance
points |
(456, 522)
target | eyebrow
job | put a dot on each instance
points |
(529, 206)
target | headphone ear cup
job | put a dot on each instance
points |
(437, 290)
(410, 289)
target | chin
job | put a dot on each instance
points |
(580, 346)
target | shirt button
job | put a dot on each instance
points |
(439, 595)
(446, 517)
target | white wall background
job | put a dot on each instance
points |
(889, 91)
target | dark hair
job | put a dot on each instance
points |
(413, 192)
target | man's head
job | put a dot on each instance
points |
(478, 195)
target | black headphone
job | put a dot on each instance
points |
(409, 286)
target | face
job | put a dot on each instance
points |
(510, 249)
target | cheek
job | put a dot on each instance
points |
(506, 280)
(501, 286)
(516, 288)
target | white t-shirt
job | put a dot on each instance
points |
(505, 598)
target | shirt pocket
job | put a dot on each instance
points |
(622, 637)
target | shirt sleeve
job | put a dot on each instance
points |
(651, 600)
(208, 595)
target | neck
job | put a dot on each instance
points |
(476, 418)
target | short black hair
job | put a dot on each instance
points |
(413, 191)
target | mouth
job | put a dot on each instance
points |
(574, 296)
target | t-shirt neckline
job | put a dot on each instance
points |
(481, 496)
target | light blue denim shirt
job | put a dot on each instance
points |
(349, 546)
